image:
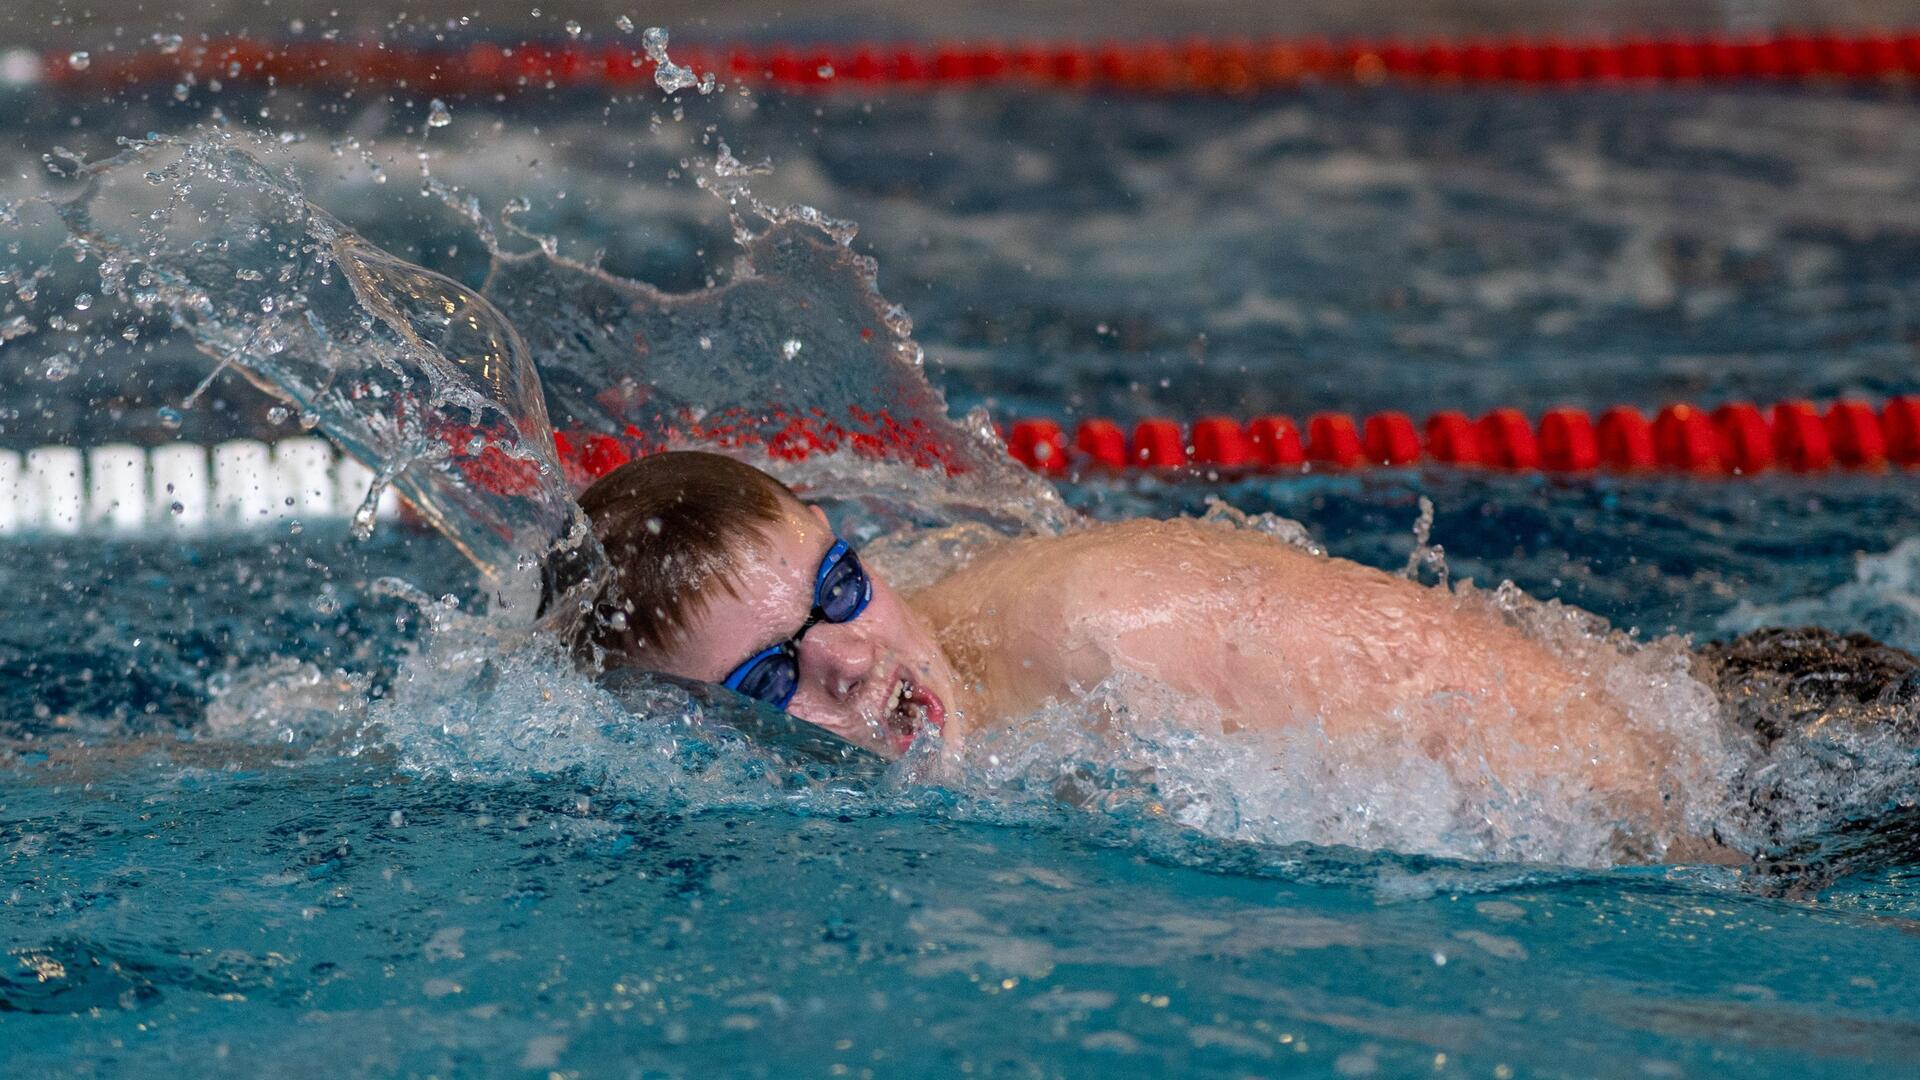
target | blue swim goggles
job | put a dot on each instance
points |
(841, 590)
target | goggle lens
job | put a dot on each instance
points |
(845, 590)
(772, 678)
(841, 592)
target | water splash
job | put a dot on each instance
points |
(404, 368)
(712, 367)
(671, 77)
(1882, 599)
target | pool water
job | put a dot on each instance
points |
(262, 815)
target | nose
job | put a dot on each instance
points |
(838, 657)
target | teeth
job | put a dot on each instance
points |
(899, 693)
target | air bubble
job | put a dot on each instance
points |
(624, 23)
(83, 302)
(60, 366)
(170, 417)
(791, 347)
(573, 28)
(79, 61)
(438, 115)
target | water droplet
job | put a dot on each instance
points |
(438, 115)
(573, 28)
(825, 71)
(59, 366)
(170, 418)
(180, 91)
(79, 61)
(278, 414)
(624, 23)
(670, 77)
(653, 526)
(168, 43)
(363, 515)
(790, 348)
(131, 333)
(83, 302)
(706, 342)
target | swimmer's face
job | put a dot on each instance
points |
(877, 680)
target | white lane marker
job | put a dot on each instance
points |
(238, 484)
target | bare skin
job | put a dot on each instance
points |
(1269, 636)
(1274, 637)
(877, 680)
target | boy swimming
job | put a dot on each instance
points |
(722, 575)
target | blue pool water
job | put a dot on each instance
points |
(260, 815)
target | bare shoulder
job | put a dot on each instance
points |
(1104, 562)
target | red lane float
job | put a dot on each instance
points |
(1452, 439)
(1276, 441)
(1199, 66)
(1735, 438)
(1332, 440)
(1567, 441)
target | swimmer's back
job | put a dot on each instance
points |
(1259, 635)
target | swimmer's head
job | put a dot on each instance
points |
(715, 562)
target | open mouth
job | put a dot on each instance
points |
(910, 710)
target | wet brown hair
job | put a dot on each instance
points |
(671, 525)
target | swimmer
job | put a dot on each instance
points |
(721, 574)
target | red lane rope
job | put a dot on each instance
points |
(1203, 66)
(1736, 438)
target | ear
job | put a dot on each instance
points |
(821, 514)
